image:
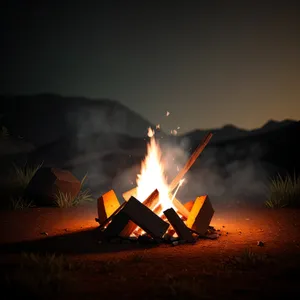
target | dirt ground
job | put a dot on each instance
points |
(233, 266)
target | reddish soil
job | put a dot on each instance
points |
(208, 269)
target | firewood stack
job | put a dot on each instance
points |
(136, 220)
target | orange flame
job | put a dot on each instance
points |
(153, 176)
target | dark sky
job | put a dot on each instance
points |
(209, 62)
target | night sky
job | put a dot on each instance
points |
(209, 63)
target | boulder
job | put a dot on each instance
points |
(49, 181)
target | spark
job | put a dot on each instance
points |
(151, 132)
(179, 185)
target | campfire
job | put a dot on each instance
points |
(151, 210)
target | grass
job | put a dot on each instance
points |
(23, 175)
(182, 287)
(19, 203)
(284, 192)
(40, 276)
(248, 259)
(65, 200)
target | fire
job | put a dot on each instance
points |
(153, 176)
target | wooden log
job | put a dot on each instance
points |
(183, 211)
(150, 202)
(112, 216)
(181, 229)
(157, 210)
(189, 205)
(145, 218)
(190, 162)
(107, 204)
(116, 226)
(200, 215)
(128, 229)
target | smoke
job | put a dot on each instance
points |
(231, 172)
(228, 174)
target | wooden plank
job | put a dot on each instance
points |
(116, 226)
(145, 218)
(183, 211)
(128, 229)
(189, 205)
(200, 215)
(150, 202)
(112, 216)
(190, 162)
(107, 204)
(181, 229)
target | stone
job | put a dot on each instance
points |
(47, 182)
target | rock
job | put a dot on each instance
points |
(260, 243)
(213, 236)
(47, 182)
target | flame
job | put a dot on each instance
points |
(153, 177)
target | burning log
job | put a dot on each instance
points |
(190, 162)
(107, 205)
(116, 226)
(150, 202)
(156, 211)
(182, 210)
(189, 205)
(106, 222)
(181, 229)
(145, 218)
(200, 215)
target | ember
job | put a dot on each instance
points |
(151, 209)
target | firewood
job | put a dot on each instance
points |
(128, 229)
(103, 224)
(190, 162)
(145, 218)
(183, 211)
(181, 229)
(156, 211)
(150, 202)
(107, 205)
(189, 205)
(116, 226)
(200, 215)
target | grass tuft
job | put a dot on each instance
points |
(65, 200)
(284, 192)
(248, 259)
(40, 276)
(19, 203)
(23, 175)
(173, 287)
